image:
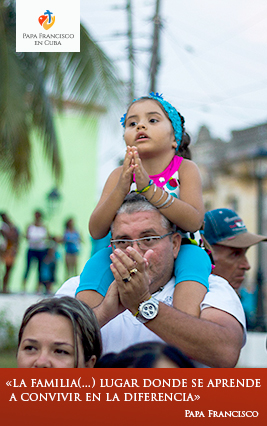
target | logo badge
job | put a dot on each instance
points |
(47, 20)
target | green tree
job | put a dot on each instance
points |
(32, 85)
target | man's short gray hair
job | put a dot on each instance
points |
(134, 202)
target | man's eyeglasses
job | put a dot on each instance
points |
(144, 243)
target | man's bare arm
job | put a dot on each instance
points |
(91, 297)
(214, 339)
(110, 306)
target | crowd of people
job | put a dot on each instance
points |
(9, 243)
(42, 251)
(163, 292)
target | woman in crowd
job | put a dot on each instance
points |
(9, 250)
(59, 333)
(38, 238)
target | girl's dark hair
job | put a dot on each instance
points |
(144, 355)
(184, 150)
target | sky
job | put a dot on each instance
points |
(213, 56)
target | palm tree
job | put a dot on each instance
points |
(31, 82)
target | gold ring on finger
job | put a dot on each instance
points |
(133, 272)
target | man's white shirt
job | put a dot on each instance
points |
(125, 330)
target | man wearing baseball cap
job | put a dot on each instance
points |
(227, 234)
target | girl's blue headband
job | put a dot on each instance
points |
(172, 113)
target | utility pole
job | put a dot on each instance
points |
(130, 49)
(155, 59)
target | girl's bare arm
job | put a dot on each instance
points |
(115, 190)
(187, 297)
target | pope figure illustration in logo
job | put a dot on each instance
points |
(47, 20)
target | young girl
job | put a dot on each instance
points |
(72, 240)
(154, 166)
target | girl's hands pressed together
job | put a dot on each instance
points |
(126, 177)
(141, 176)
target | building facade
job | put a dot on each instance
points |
(234, 175)
(74, 198)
